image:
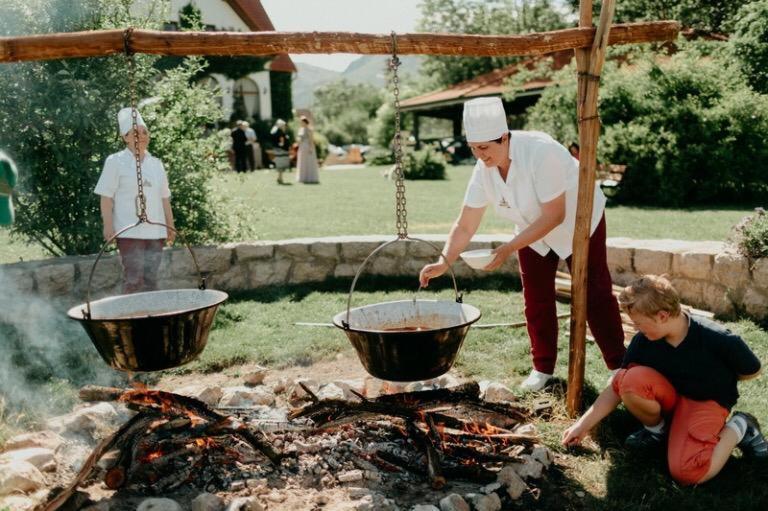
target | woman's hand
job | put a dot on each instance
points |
(502, 254)
(170, 235)
(108, 232)
(574, 435)
(431, 271)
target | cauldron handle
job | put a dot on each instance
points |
(345, 324)
(87, 310)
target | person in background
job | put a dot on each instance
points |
(240, 147)
(8, 177)
(254, 149)
(679, 379)
(307, 168)
(141, 247)
(574, 150)
(281, 143)
(528, 179)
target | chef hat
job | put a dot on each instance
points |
(125, 121)
(484, 119)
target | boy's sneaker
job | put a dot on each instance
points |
(753, 445)
(644, 439)
(535, 381)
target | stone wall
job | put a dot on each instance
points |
(707, 275)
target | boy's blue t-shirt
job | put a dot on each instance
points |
(705, 366)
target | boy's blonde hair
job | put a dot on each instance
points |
(649, 295)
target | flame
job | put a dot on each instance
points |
(149, 458)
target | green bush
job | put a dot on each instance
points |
(425, 164)
(689, 128)
(58, 120)
(749, 44)
(751, 235)
(380, 156)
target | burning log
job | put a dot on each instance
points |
(99, 393)
(427, 444)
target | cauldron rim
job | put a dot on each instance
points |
(78, 311)
(339, 319)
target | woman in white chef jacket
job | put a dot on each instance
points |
(531, 180)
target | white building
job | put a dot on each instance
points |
(238, 16)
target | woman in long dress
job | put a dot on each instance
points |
(307, 159)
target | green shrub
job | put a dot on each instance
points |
(749, 44)
(689, 128)
(751, 235)
(380, 156)
(425, 164)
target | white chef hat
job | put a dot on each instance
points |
(125, 121)
(484, 119)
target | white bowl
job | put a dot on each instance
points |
(478, 259)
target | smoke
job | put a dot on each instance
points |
(44, 355)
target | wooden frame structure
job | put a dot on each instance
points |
(589, 44)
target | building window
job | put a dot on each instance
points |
(251, 96)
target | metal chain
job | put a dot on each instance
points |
(142, 205)
(400, 210)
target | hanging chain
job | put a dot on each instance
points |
(141, 207)
(400, 211)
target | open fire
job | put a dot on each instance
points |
(443, 437)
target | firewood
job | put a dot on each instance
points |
(99, 393)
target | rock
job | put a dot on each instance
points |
(209, 259)
(693, 264)
(45, 439)
(281, 385)
(497, 393)
(315, 270)
(55, 279)
(351, 476)
(156, 504)
(256, 250)
(448, 381)
(237, 485)
(73, 455)
(245, 504)
(655, 261)
(297, 392)
(276, 497)
(760, 273)
(756, 303)
(490, 488)
(356, 492)
(268, 273)
(330, 391)
(92, 420)
(543, 455)
(207, 502)
(20, 476)
(415, 387)
(512, 481)
(99, 506)
(490, 502)
(17, 503)
(365, 504)
(425, 507)
(731, 270)
(37, 456)
(454, 502)
(245, 396)
(526, 429)
(256, 376)
(619, 253)
(210, 395)
(325, 250)
(349, 385)
(529, 468)
(580, 494)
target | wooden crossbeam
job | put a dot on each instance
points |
(109, 42)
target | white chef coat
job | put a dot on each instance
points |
(118, 182)
(541, 170)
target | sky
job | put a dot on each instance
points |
(367, 16)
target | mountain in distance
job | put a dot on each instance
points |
(370, 69)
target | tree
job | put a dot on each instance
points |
(749, 44)
(708, 15)
(689, 128)
(344, 111)
(481, 17)
(58, 121)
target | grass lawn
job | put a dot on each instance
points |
(259, 326)
(361, 201)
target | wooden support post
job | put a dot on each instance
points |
(589, 65)
(109, 42)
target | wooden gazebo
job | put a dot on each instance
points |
(588, 43)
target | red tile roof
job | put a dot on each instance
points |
(254, 15)
(489, 84)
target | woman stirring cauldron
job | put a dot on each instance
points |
(531, 180)
(141, 247)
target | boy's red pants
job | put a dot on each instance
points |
(538, 273)
(695, 425)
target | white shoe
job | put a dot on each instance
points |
(611, 375)
(535, 381)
